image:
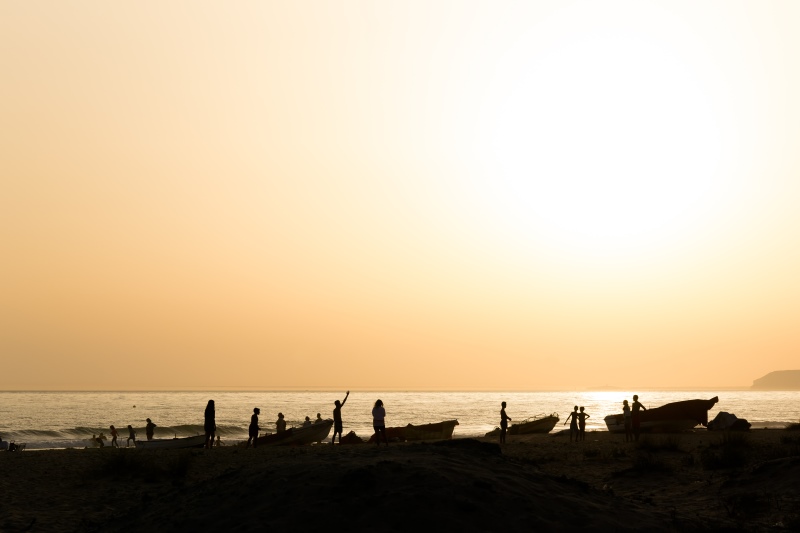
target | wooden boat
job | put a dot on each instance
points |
(297, 436)
(436, 431)
(543, 423)
(198, 441)
(669, 418)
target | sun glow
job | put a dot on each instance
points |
(604, 138)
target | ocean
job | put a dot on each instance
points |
(69, 419)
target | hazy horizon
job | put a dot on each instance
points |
(403, 196)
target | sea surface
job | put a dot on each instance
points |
(69, 419)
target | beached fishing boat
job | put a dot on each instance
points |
(538, 424)
(163, 444)
(297, 436)
(435, 431)
(669, 418)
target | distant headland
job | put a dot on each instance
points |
(779, 380)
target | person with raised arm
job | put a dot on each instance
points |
(337, 418)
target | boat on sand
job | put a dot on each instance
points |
(436, 431)
(543, 423)
(296, 436)
(669, 418)
(197, 441)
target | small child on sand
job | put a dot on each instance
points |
(131, 436)
(114, 436)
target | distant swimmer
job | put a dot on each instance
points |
(337, 418)
(636, 416)
(149, 429)
(280, 424)
(582, 423)
(113, 436)
(131, 436)
(573, 424)
(209, 424)
(378, 423)
(252, 430)
(504, 418)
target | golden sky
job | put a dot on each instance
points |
(398, 195)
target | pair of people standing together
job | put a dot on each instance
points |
(577, 427)
(632, 419)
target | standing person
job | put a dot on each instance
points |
(573, 425)
(504, 418)
(337, 418)
(378, 423)
(210, 424)
(582, 423)
(252, 431)
(113, 436)
(280, 424)
(626, 417)
(636, 416)
(149, 429)
(131, 436)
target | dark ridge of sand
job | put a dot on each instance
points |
(539, 482)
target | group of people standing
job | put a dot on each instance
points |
(577, 419)
(378, 422)
(149, 430)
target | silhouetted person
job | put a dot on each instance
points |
(636, 416)
(209, 424)
(504, 418)
(307, 422)
(626, 418)
(573, 424)
(113, 436)
(319, 419)
(280, 424)
(378, 423)
(582, 423)
(98, 440)
(252, 431)
(131, 436)
(337, 418)
(149, 429)
(219, 442)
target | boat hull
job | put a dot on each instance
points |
(668, 418)
(436, 431)
(198, 441)
(297, 436)
(540, 424)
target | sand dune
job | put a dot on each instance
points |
(539, 482)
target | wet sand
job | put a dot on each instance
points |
(694, 481)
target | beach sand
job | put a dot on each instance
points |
(692, 481)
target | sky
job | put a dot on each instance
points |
(464, 195)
